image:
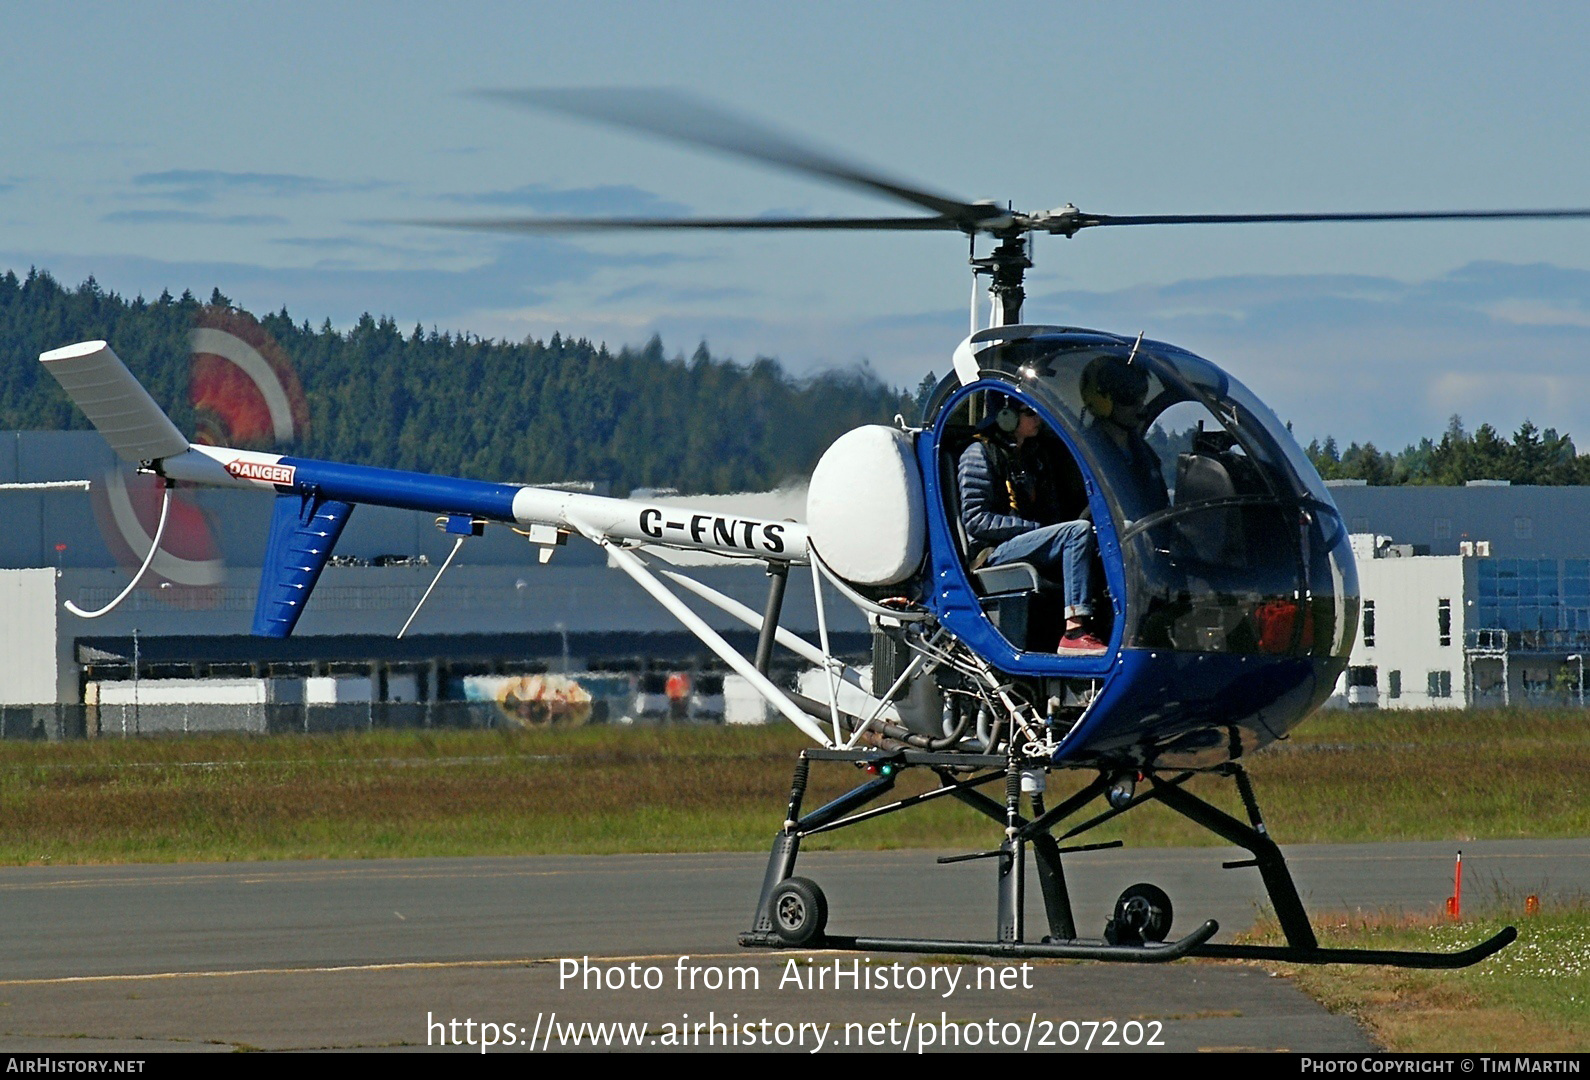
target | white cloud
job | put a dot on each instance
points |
(1537, 313)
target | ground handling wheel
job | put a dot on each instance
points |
(799, 910)
(1142, 915)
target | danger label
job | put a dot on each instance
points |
(259, 470)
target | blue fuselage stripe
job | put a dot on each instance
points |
(404, 490)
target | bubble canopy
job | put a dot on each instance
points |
(1229, 539)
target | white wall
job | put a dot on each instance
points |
(1406, 593)
(338, 689)
(27, 637)
(127, 707)
(182, 692)
(742, 704)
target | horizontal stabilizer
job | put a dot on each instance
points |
(304, 530)
(95, 378)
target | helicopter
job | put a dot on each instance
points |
(1227, 592)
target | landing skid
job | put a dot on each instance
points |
(1081, 949)
(792, 911)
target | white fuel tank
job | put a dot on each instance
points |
(864, 509)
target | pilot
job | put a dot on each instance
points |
(1114, 390)
(1019, 505)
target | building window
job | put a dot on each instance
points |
(1443, 621)
(1537, 685)
(1440, 684)
(1361, 688)
(1394, 685)
(1523, 528)
(1442, 528)
(1369, 623)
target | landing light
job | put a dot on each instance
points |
(1122, 790)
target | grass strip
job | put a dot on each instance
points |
(1343, 777)
(1533, 996)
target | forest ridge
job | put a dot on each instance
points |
(566, 409)
(429, 401)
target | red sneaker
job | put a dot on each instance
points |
(1081, 643)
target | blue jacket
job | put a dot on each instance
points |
(986, 510)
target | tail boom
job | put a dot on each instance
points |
(515, 504)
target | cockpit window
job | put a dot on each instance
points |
(1230, 537)
(1167, 429)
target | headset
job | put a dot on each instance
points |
(1007, 417)
(1111, 380)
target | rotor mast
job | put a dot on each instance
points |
(1007, 266)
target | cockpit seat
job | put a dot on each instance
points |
(1216, 534)
(1008, 578)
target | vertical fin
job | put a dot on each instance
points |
(304, 530)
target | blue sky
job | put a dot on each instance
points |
(269, 149)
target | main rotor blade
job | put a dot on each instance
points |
(1090, 220)
(678, 116)
(571, 225)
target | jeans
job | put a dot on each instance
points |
(1063, 551)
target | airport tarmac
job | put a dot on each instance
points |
(388, 953)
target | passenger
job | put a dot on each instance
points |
(1018, 507)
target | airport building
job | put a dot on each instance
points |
(1474, 595)
(502, 638)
